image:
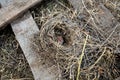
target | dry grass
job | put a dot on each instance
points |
(62, 34)
(80, 58)
(13, 64)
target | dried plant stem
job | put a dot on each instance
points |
(81, 57)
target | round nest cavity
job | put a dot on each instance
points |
(60, 34)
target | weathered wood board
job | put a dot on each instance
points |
(11, 12)
(24, 29)
(103, 20)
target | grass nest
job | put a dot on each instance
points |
(78, 49)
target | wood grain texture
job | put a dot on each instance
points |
(13, 11)
(24, 29)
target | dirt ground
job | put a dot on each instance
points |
(65, 31)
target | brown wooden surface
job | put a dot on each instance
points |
(13, 11)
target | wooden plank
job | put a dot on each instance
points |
(11, 12)
(24, 29)
(9, 2)
(103, 20)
